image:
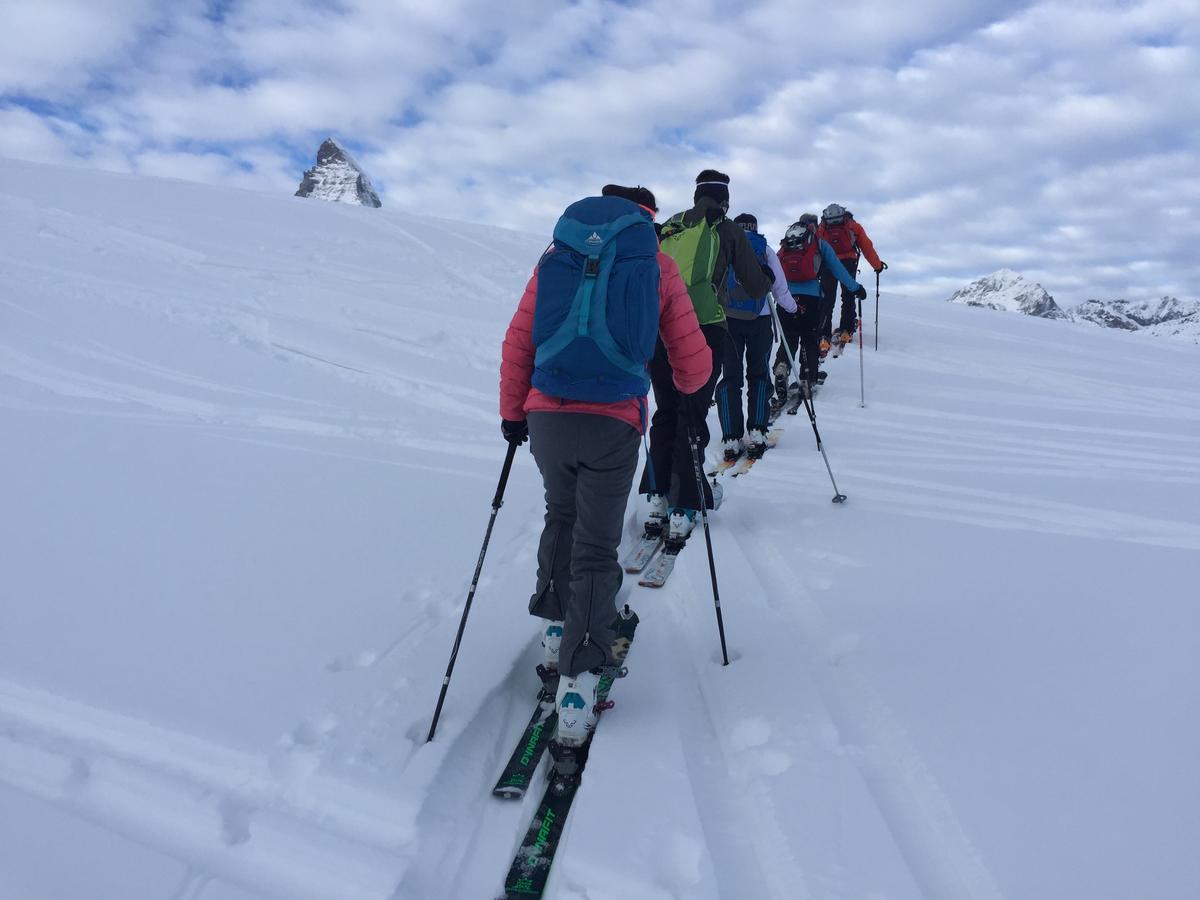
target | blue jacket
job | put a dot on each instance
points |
(812, 288)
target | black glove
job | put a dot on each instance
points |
(882, 266)
(861, 293)
(514, 432)
(769, 272)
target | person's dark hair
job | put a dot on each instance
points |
(638, 194)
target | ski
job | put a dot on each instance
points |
(725, 465)
(748, 462)
(514, 780)
(530, 868)
(660, 570)
(643, 551)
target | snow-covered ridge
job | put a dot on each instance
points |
(1007, 290)
(1012, 292)
(338, 178)
(1165, 317)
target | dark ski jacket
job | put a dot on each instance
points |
(735, 250)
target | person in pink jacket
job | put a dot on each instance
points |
(587, 454)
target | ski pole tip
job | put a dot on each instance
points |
(839, 498)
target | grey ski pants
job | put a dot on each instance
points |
(587, 463)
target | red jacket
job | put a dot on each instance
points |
(687, 351)
(848, 238)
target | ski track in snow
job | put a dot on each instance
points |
(851, 715)
(940, 856)
(312, 836)
(280, 825)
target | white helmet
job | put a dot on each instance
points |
(833, 213)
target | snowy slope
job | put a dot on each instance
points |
(249, 447)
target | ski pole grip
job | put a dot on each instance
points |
(498, 500)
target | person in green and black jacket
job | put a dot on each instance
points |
(705, 243)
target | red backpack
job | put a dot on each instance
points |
(800, 263)
(840, 237)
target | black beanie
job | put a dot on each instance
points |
(639, 195)
(747, 221)
(714, 184)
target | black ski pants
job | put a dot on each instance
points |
(749, 339)
(802, 331)
(670, 469)
(829, 288)
(587, 463)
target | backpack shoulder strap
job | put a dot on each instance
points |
(672, 227)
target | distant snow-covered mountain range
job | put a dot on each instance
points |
(1012, 292)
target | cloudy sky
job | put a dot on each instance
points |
(1060, 138)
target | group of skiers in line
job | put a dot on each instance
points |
(583, 349)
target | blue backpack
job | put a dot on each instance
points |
(596, 320)
(738, 303)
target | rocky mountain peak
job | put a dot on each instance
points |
(1010, 291)
(338, 178)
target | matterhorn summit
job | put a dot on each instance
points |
(1007, 290)
(338, 178)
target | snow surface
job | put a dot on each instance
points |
(249, 449)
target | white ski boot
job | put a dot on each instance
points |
(681, 524)
(551, 641)
(655, 519)
(732, 448)
(756, 442)
(576, 705)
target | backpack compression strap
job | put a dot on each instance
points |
(593, 242)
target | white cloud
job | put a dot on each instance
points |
(964, 136)
(58, 44)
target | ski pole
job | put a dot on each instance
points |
(783, 340)
(497, 502)
(782, 337)
(694, 441)
(862, 381)
(838, 496)
(877, 310)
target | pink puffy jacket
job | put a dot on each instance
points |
(687, 351)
